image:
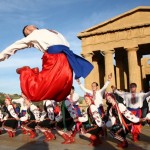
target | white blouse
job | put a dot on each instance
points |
(125, 112)
(40, 39)
(50, 105)
(75, 99)
(12, 111)
(95, 115)
(35, 111)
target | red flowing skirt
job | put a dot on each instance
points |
(54, 82)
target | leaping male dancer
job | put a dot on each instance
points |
(54, 81)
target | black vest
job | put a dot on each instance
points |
(32, 117)
(45, 109)
(9, 115)
(90, 116)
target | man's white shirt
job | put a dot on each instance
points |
(139, 98)
(98, 100)
(40, 39)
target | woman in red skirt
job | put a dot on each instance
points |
(91, 122)
(11, 119)
(54, 81)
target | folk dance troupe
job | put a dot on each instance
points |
(61, 113)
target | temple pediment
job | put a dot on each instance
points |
(140, 15)
(127, 37)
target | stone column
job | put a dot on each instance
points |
(134, 68)
(95, 72)
(109, 67)
(143, 64)
(126, 82)
(89, 79)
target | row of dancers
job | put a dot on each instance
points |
(67, 119)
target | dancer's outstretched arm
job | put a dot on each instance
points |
(18, 45)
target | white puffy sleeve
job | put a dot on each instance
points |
(50, 109)
(96, 115)
(35, 111)
(128, 114)
(1, 116)
(71, 109)
(43, 115)
(84, 118)
(12, 111)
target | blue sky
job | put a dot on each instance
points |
(66, 16)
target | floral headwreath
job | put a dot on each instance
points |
(110, 94)
(8, 98)
(89, 96)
